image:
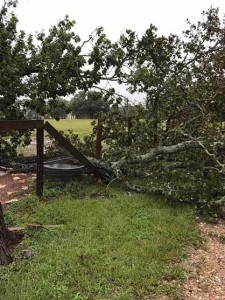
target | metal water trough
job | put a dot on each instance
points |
(63, 170)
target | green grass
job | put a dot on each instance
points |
(111, 247)
(80, 126)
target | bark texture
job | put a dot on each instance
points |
(7, 238)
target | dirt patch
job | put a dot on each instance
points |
(14, 186)
(205, 266)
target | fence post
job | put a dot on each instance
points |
(98, 145)
(40, 161)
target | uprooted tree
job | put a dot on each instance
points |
(172, 143)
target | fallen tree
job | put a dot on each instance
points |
(186, 172)
(173, 142)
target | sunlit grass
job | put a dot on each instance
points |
(81, 127)
(111, 246)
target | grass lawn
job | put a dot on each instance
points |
(111, 246)
(80, 126)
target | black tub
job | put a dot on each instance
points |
(63, 170)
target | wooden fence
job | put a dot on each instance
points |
(40, 126)
(31, 125)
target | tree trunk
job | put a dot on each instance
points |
(5, 257)
(7, 238)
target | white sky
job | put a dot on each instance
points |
(115, 16)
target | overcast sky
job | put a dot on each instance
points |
(115, 16)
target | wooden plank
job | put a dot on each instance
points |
(8, 125)
(33, 226)
(72, 150)
(40, 161)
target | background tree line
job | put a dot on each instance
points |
(83, 105)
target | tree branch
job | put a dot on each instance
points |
(160, 150)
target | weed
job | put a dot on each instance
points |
(222, 239)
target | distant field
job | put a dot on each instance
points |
(80, 126)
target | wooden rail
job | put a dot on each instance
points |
(8, 125)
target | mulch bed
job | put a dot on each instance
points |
(14, 186)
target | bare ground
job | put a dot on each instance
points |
(14, 186)
(206, 266)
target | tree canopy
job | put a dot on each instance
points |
(46, 66)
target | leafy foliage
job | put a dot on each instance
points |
(36, 71)
(175, 136)
(183, 83)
